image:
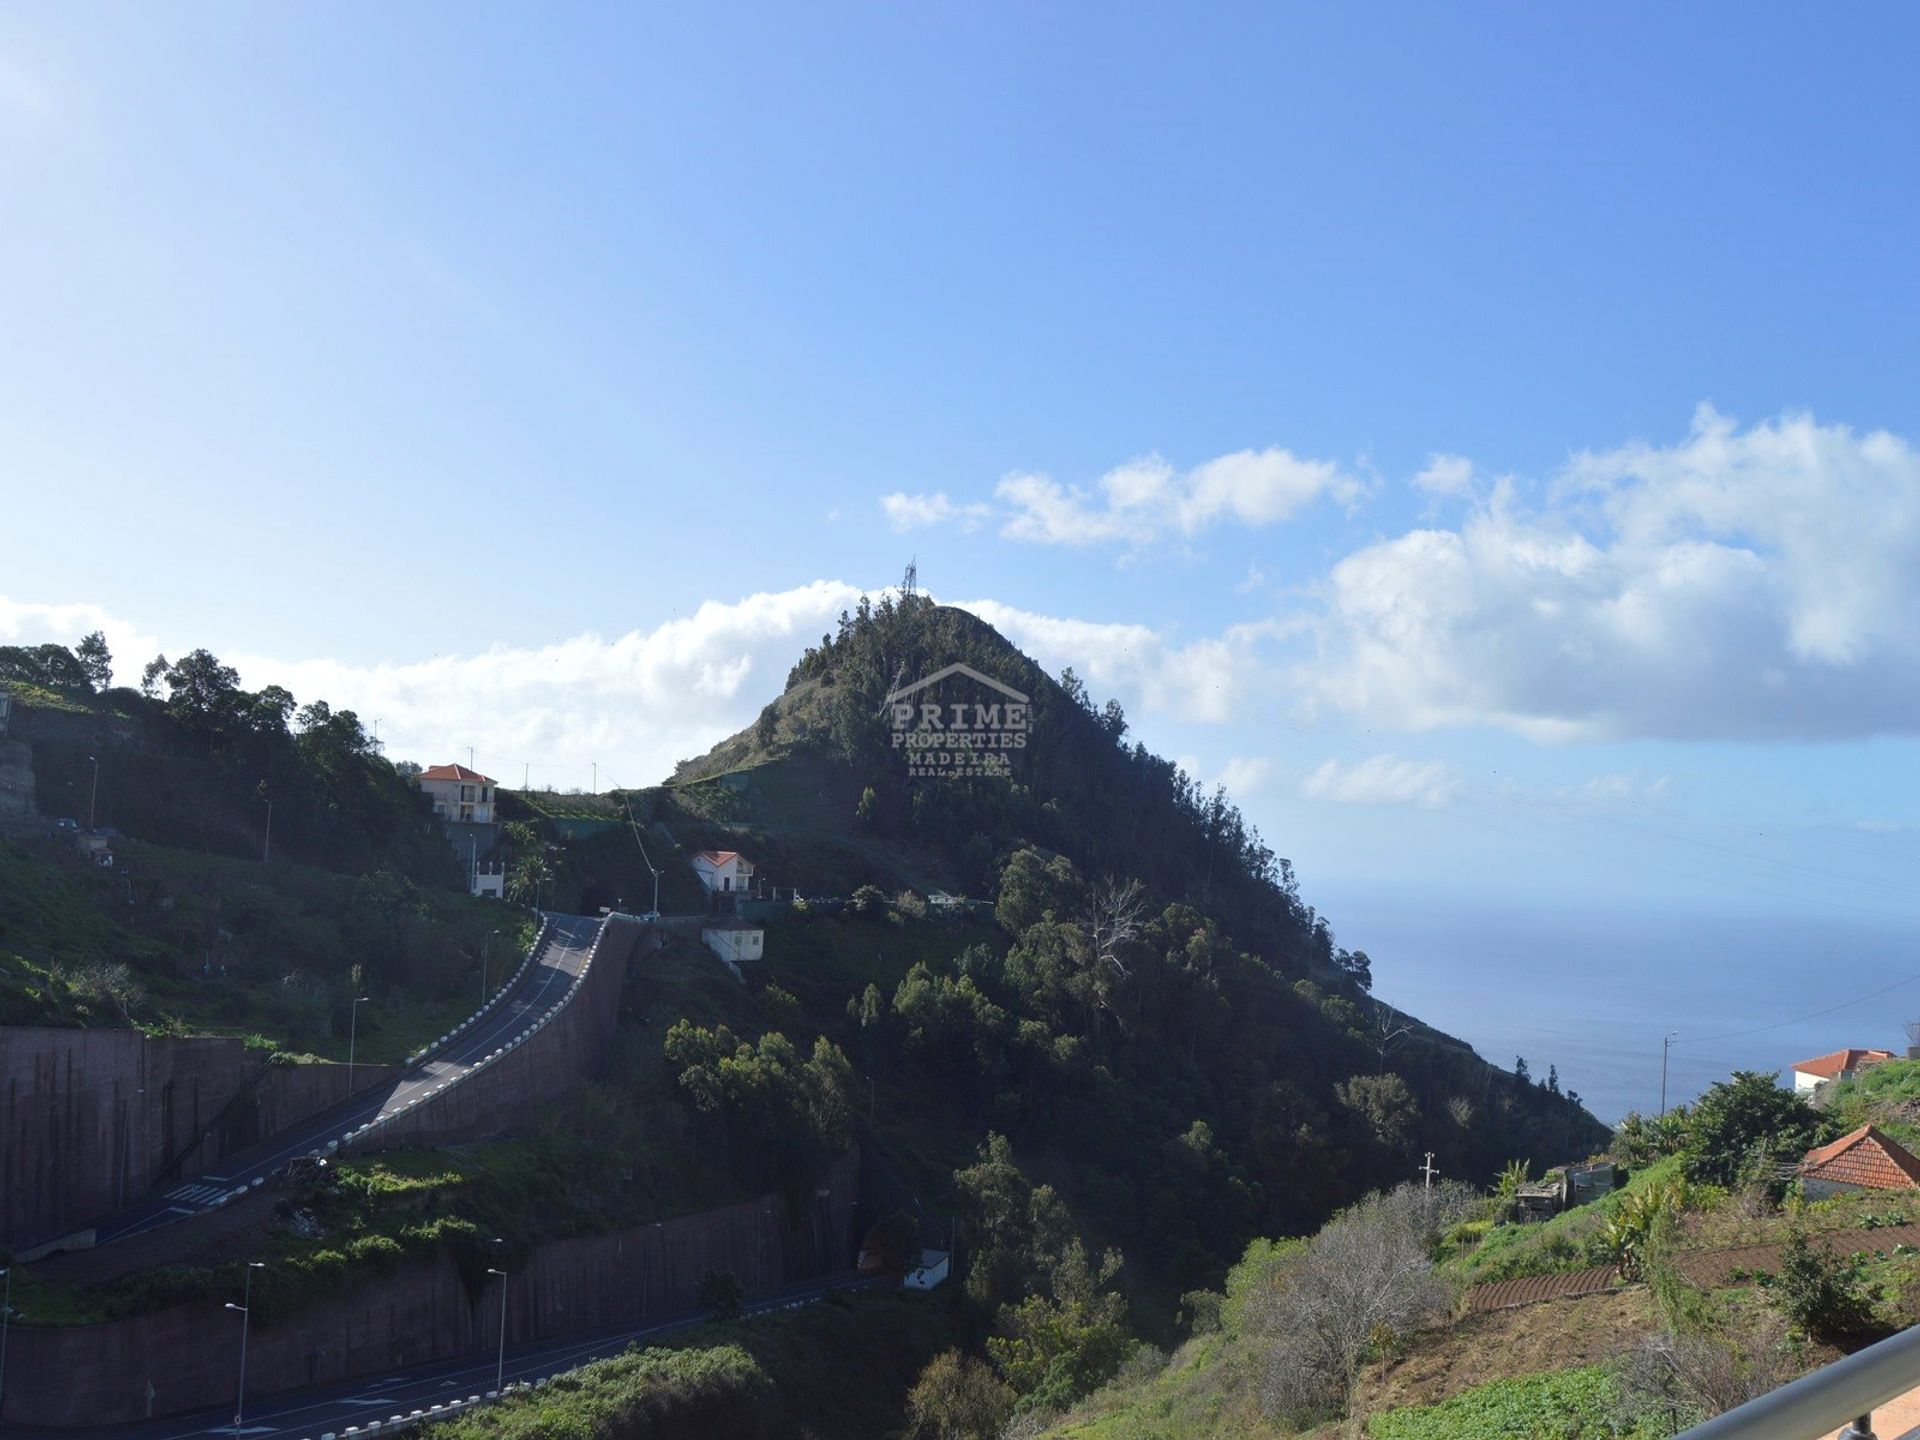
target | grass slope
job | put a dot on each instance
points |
(225, 946)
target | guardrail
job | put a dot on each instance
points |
(447, 1409)
(546, 1017)
(1844, 1393)
(540, 939)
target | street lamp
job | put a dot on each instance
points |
(266, 846)
(93, 802)
(500, 1371)
(246, 1321)
(353, 1036)
(486, 959)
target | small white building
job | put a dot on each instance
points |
(931, 1270)
(489, 880)
(735, 940)
(1810, 1075)
(723, 872)
(461, 795)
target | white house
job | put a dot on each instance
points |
(489, 880)
(1810, 1075)
(735, 940)
(723, 871)
(459, 794)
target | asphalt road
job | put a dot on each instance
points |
(542, 983)
(310, 1414)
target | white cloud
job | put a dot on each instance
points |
(1210, 679)
(1246, 775)
(1383, 780)
(1140, 502)
(1445, 475)
(913, 512)
(635, 704)
(25, 622)
(1625, 789)
(1147, 499)
(1757, 584)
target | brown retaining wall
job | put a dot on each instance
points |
(88, 1117)
(183, 1358)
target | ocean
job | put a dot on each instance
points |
(1592, 989)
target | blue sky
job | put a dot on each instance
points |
(1481, 435)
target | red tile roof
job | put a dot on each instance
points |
(716, 857)
(1829, 1066)
(1866, 1158)
(454, 772)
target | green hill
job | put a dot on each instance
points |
(1187, 1067)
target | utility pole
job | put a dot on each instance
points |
(596, 776)
(246, 1320)
(353, 1036)
(526, 776)
(1666, 1043)
(486, 962)
(266, 846)
(1428, 1170)
(93, 803)
(469, 757)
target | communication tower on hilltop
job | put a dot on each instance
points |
(911, 585)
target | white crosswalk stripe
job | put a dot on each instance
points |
(196, 1194)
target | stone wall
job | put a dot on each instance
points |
(88, 1117)
(183, 1358)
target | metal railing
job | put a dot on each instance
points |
(1843, 1393)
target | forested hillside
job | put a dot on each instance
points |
(1155, 1053)
(191, 759)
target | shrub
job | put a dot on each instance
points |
(1360, 1286)
(1822, 1294)
(957, 1398)
(721, 1294)
(1745, 1124)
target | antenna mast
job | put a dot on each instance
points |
(911, 585)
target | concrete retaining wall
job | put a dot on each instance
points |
(505, 1094)
(87, 1117)
(183, 1358)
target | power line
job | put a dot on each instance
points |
(1800, 1019)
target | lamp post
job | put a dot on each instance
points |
(500, 1370)
(486, 961)
(6, 1314)
(266, 846)
(353, 1037)
(246, 1321)
(93, 801)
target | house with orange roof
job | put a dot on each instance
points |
(460, 795)
(1810, 1075)
(1865, 1159)
(723, 872)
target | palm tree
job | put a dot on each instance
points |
(530, 875)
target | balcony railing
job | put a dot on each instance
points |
(1844, 1393)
